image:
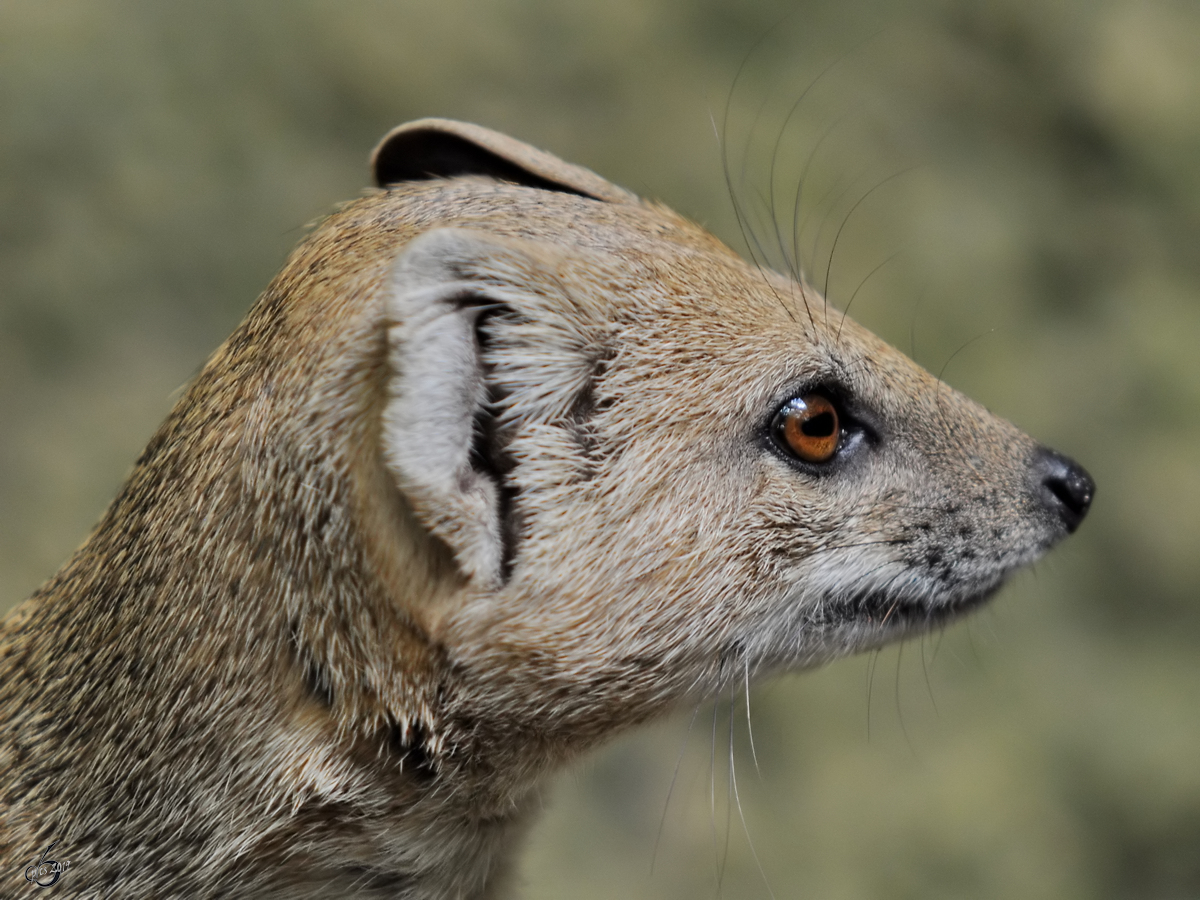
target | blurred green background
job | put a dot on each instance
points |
(1033, 170)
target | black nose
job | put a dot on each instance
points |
(1064, 486)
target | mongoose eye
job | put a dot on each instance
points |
(809, 427)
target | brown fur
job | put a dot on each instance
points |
(283, 664)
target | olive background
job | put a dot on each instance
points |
(1019, 184)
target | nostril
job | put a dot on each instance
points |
(1067, 488)
(1074, 492)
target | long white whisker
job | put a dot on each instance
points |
(749, 725)
(737, 798)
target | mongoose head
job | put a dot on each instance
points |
(659, 468)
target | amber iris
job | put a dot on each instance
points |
(809, 427)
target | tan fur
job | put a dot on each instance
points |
(484, 477)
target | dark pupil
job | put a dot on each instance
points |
(819, 425)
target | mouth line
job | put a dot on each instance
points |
(881, 610)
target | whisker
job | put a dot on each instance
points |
(671, 788)
(899, 710)
(870, 687)
(857, 204)
(797, 225)
(749, 725)
(712, 798)
(729, 791)
(912, 327)
(925, 672)
(846, 311)
(795, 264)
(748, 235)
(948, 426)
(737, 797)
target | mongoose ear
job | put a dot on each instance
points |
(442, 148)
(436, 394)
(476, 344)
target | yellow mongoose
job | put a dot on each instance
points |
(504, 461)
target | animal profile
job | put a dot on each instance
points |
(504, 462)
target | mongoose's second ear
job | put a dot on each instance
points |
(442, 148)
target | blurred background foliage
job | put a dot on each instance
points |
(1028, 175)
